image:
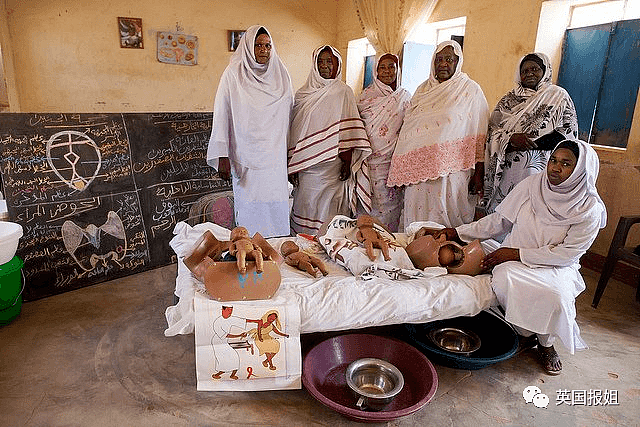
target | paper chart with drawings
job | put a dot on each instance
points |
(249, 345)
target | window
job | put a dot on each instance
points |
(416, 55)
(600, 68)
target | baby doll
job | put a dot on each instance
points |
(242, 247)
(450, 255)
(370, 237)
(300, 260)
(427, 251)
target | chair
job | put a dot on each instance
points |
(618, 252)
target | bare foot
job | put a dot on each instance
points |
(550, 360)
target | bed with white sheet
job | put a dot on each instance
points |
(340, 300)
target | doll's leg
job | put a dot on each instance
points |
(369, 247)
(320, 265)
(241, 261)
(257, 256)
(306, 266)
(385, 250)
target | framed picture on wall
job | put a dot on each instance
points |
(130, 32)
(234, 39)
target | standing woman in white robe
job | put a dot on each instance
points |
(249, 137)
(327, 147)
(551, 218)
(382, 106)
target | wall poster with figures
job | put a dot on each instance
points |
(98, 195)
(248, 345)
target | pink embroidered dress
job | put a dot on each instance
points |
(442, 138)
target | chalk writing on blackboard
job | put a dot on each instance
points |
(98, 195)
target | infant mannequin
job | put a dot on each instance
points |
(449, 255)
(370, 237)
(243, 248)
(427, 251)
(300, 260)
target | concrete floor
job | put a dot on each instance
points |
(98, 357)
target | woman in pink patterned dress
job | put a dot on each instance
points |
(382, 106)
(439, 157)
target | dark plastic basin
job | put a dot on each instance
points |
(498, 341)
(324, 368)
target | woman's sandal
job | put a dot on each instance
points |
(549, 357)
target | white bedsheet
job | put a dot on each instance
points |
(339, 300)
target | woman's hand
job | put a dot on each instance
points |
(522, 142)
(224, 168)
(450, 235)
(476, 183)
(345, 167)
(498, 257)
(293, 179)
(345, 171)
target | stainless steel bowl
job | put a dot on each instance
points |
(375, 383)
(455, 340)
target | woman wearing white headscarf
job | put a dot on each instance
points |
(440, 151)
(551, 218)
(524, 127)
(249, 137)
(327, 146)
(382, 106)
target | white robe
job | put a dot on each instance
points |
(539, 292)
(440, 142)
(250, 126)
(226, 358)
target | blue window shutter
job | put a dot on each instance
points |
(581, 69)
(619, 88)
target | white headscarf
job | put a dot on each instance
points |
(444, 129)
(252, 108)
(570, 202)
(382, 110)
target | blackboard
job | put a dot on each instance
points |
(98, 195)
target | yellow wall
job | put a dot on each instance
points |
(66, 56)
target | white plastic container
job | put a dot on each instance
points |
(10, 234)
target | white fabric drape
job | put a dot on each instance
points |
(387, 23)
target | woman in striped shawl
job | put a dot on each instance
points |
(327, 147)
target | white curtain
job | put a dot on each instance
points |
(387, 23)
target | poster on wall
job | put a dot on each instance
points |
(176, 48)
(130, 32)
(234, 37)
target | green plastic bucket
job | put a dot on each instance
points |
(10, 290)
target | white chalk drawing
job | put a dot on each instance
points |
(97, 244)
(74, 157)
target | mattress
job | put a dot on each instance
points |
(340, 300)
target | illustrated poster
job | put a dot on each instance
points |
(247, 346)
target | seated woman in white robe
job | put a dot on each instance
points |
(551, 218)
